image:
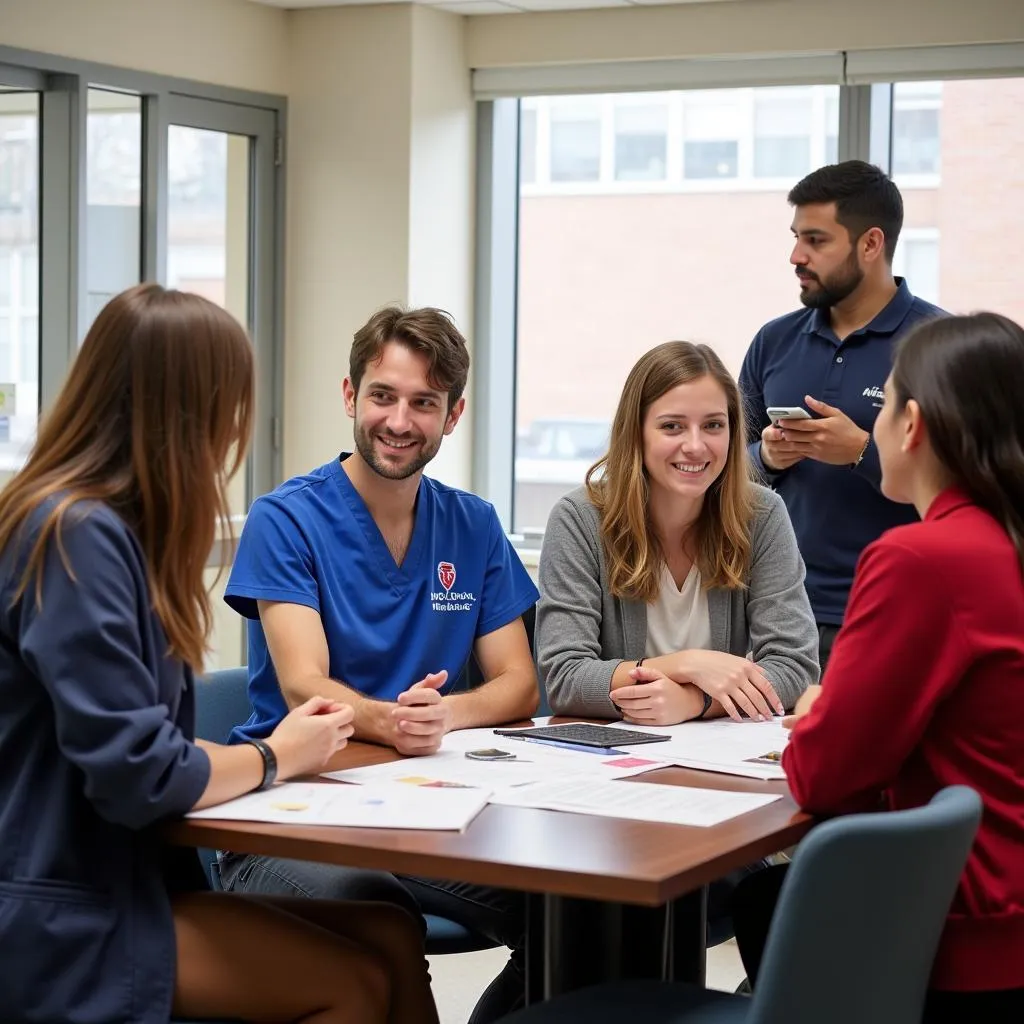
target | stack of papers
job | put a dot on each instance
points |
(638, 801)
(533, 762)
(383, 806)
(751, 749)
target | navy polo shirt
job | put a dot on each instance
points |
(836, 511)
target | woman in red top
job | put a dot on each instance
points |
(925, 687)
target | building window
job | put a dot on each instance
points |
(711, 135)
(917, 259)
(916, 121)
(641, 141)
(782, 133)
(576, 140)
(527, 144)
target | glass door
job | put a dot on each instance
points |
(220, 242)
(19, 275)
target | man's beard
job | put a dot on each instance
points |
(365, 447)
(840, 285)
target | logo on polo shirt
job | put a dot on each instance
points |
(873, 392)
(450, 600)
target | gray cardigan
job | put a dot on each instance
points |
(583, 632)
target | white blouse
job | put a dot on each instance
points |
(678, 620)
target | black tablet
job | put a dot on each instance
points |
(586, 735)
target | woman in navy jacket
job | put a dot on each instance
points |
(103, 620)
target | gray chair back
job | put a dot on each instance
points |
(861, 912)
(222, 702)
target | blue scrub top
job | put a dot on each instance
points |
(313, 542)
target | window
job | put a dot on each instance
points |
(610, 268)
(575, 140)
(19, 273)
(917, 259)
(916, 110)
(782, 133)
(711, 134)
(527, 144)
(114, 197)
(684, 235)
(832, 129)
(641, 141)
(963, 237)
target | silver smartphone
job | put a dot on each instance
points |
(787, 412)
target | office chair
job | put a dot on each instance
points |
(222, 702)
(852, 940)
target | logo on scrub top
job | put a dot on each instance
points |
(446, 574)
(449, 600)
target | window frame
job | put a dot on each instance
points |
(63, 85)
(865, 114)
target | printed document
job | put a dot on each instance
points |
(751, 749)
(638, 801)
(533, 762)
(381, 806)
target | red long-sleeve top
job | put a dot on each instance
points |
(925, 689)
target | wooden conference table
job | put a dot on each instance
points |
(584, 869)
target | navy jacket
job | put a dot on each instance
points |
(836, 511)
(96, 726)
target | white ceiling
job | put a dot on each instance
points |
(487, 6)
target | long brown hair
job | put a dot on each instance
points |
(967, 375)
(153, 420)
(617, 483)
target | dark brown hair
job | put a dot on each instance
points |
(153, 420)
(967, 375)
(429, 331)
(617, 483)
(865, 197)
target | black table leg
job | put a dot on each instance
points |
(582, 943)
(586, 942)
(535, 948)
(686, 938)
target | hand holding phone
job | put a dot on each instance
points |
(787, 412)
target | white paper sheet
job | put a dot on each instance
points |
(637, 801)
(381, 806)
(534, 762)
(751, 749)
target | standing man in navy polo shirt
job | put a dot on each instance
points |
(832, 359)
(369, 583)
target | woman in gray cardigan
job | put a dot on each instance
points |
(671, 584)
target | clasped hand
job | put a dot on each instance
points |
(420, 717)
(738, 684)
(654, 699)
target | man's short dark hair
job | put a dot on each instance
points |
(865, 197)
(429, 331)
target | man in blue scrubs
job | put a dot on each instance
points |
(369, 583)
(832, 359)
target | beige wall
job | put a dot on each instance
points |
(380, 172)
(744, 27)
(441, 187)
(225, 42)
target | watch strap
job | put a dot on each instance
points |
(708, 701)
(269, 763)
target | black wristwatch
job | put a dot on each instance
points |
(708, 701)
(269, 763)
